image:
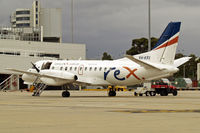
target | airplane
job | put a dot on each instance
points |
(127, 71)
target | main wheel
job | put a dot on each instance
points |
(112, 93)
(65, 94)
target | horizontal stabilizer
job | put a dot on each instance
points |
(142, 63)
(181, 61)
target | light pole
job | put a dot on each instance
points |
(149, 16)
(72, 20)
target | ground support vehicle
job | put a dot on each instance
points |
(165, 89)
(161, 89)
(143, 90)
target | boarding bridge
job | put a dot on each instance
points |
(11, 83)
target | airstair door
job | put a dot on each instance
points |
(80, 70)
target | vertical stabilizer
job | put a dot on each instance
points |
(165, 49)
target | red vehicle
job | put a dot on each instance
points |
(164, 89)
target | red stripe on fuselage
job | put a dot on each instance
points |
(173, 41)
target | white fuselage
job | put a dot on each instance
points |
(117, 72)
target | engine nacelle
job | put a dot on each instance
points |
(66, 77)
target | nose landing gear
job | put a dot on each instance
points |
(66, 94)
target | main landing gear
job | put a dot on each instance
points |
(65, 93)
(112, 92)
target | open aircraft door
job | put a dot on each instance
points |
(80, 69)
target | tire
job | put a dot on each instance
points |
(112, 93)
(175, 93)
(147, 93)
(65, 94)
(152, 93)
(140, 95)
(135, 94)
(164, 93)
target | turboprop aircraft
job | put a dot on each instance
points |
(130, 70)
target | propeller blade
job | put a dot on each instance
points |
(35, 67)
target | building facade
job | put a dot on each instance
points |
(48, 21)
(19, 54)
(35, 34)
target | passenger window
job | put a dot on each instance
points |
(85, 68)
(65, 68)
(105, 69)
(75, 68)
(70, 68)
(100, 68)
(52, 68)
(95, 68)
(90, 68)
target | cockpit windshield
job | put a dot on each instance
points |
(46, 65)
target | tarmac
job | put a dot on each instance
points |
(95, 112)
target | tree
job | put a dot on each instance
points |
(190, 67)
(141, 45)
(180, 72)
(106, 56)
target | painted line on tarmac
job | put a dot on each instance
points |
(159, 111)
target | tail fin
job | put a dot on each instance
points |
(165, 50)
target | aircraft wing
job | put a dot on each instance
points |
(36, 74)
(21, 71)
(142, 63)
(81, 81)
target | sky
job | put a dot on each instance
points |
(111, 25)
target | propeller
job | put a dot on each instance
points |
(35, 67)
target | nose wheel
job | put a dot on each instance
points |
(65, 94)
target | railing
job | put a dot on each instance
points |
(6, 84)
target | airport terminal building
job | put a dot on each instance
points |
(32, 37)
(46, 23)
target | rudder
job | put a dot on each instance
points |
(168, 43)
